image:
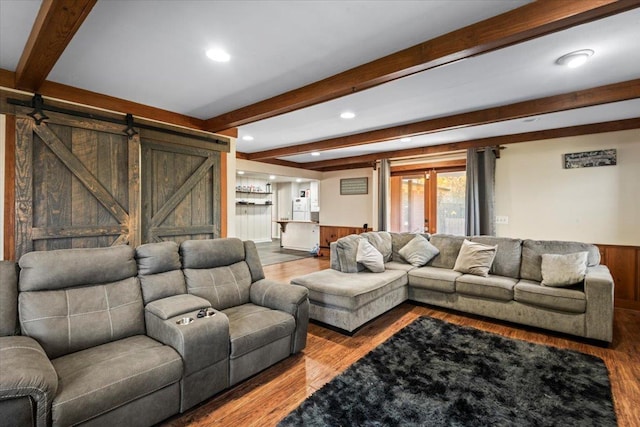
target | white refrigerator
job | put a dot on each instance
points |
(301, 209)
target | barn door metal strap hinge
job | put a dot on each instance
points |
(129, 130)
(37, 103)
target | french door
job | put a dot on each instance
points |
(428, 202)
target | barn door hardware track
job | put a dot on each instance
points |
(39, 107)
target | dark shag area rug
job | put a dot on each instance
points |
(434, 373)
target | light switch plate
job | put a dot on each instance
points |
(501, 219)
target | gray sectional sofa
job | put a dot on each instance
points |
(117, 336)
(347, 295)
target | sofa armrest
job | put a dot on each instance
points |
(292, 299)
(333, 256)
(27, 372)
(599, 290)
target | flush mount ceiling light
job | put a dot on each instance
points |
(575, 59)
(406, 139)
(218, 55)
(347, 115)
(240, 172)
(315, 153)
(247, 138)
(298, 180)
(272, 177)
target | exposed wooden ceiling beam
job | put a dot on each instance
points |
(347, 162)
(7, 79)
(584, 98)
(54, 27)
(530, 21)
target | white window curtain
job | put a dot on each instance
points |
(481, 171)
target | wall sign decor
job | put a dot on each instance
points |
(587, 159)
(354, 186)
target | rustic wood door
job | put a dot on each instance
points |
(181, 194)
(77, 185)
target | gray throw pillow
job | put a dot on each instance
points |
(369, 256)
(418, 251)
(475, 258)
(563, 270)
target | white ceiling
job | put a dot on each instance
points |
(153, 52)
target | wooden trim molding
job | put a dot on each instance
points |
(567, 101)
(624, 264)
(223, 194)
(442, 166)
(54, 27)
(9, 188)
(527, 22)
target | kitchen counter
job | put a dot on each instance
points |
(299, 235)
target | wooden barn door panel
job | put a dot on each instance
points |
(75, 186)
(180, 192)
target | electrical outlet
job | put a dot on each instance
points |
(501, 219)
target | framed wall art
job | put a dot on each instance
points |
(588, 159)
(354, 186)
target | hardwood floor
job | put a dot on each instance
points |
(269, 396)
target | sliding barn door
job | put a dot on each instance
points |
(76, 185)
(181, 194)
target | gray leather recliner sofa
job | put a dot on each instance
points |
(113, 336)
(511, 292)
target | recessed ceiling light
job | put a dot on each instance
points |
(298, 180)
(247, 138)
(347, 115)
(407, 139)
(315, 153)
(272, 177)
(218, 55)
(575, 59)
(240, 172)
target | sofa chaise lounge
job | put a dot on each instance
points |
(117, 336)
(347, 295)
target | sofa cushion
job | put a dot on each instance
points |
(369, 256)
(66, 268)
(475, 258)
(252, 327)
(65, 321)
(348, 290)
(102, 378)
(491, 287)
(435, 279)
(532, 250)
(381, 240)
(508, 255)
(398, 240)
(346, 249)
(449, 246)
(8, 298)
(571, 300)
(162, 285)
(153, 258)
(211, 253)
(223, 287)
(563, 270)
(418, 251)
(395, 265)
(159, 271)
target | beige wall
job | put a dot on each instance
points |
(545, 201)
(352, 211)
